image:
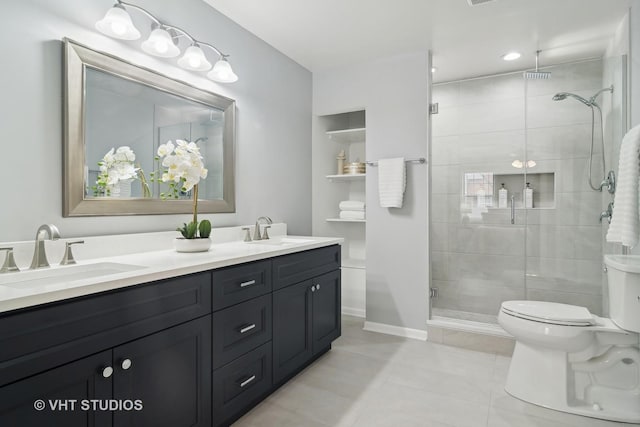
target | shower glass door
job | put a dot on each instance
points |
(505, 129)
(477, 241)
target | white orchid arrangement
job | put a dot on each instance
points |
(184, 170)
(117, 165)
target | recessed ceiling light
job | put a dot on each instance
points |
(511, 56)
(433, 69)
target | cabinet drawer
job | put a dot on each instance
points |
(239, 384)
(241, 328)
(235, 284)
(36, 339)
(294, 268)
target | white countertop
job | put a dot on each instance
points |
(143, 267)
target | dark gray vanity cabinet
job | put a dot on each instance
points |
(76, 381)
(169, 373)
(306, 314)
(154, 345)
(242, 332)
(196, 351)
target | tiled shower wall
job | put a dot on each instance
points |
(551, 253)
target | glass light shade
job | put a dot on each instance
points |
(117, 23)
(160, 43)
(222, 72)
(194, 59)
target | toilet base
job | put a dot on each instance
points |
(543, 377)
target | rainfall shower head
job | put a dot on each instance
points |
(537, 74)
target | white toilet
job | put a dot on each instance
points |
(570, 360)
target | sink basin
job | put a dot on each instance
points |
(280, 241)
(61, 274)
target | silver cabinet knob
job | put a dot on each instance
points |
(126, 364)
(107, 372)
(318, 287)
(313, 288)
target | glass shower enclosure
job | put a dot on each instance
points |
(512, 215)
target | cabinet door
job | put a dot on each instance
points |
(62, 390)
(326, 309)
(170, 372)
(291, 329)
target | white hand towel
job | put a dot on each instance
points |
(625, 222)
(351, 205)
(392, 180)
(351, 214)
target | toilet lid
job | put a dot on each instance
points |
(549, 312)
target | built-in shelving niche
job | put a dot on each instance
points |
(543, 185)
(333, 133)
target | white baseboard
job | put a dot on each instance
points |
(400, 331)
(356, 312)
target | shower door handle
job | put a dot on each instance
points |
(513, 210)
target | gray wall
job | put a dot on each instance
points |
(395, 94)
(273, 122)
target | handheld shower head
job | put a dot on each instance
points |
(591, 102)
(561, 96)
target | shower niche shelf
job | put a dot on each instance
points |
(543, 184)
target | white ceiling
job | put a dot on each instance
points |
(466, 41)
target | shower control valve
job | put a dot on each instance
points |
(607, 213)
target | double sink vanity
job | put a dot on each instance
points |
(160, 338)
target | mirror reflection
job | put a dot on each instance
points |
(127, 121)
(117, 116)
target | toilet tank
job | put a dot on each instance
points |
(623, 274)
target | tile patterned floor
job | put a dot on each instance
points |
(370, 380)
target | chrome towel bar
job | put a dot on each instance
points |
(418, 160)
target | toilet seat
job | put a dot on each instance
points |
(549, 312)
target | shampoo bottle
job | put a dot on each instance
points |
(502, 197)
(528, 196)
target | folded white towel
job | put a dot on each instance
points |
(351, 214)
(392, 180)
(625, 222)
(351, 205)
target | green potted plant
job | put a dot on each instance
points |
(184, 170)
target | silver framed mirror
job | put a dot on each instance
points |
(110, 103)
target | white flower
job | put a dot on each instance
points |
(183, 162)
(115, 166)
(165, 149)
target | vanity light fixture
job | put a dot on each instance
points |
(194, 59)
(117, 24)
(164, 42)
(161, 43)
(511, 56)
(222, 72)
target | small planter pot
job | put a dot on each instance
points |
(191, 245)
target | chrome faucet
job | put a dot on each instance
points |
(256, 233)
(39, 253)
